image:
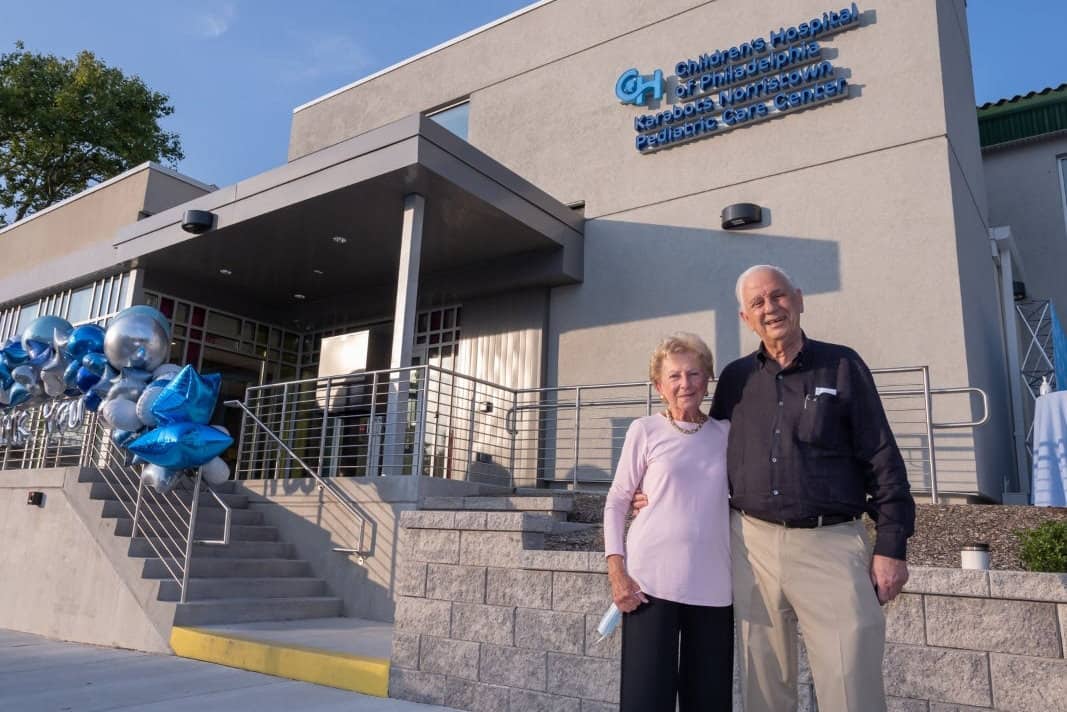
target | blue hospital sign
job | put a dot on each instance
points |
(751, 81)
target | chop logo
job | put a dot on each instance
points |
(635, 88)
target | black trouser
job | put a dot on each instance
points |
(657, 670)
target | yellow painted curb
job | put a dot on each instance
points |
(322, 667)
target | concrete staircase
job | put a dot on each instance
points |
(253, 578)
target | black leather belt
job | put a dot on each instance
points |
(823, 520)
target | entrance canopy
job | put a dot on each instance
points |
(318, 241)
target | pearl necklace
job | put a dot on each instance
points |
(701, 419)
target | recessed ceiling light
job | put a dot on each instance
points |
(339, 239)
(318, 271)
(298, 295)
(225, 271)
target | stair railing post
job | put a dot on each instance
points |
(189, 540)
(137, 509)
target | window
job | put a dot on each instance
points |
(455, 118)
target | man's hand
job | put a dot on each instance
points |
(639, 502)
(888, 576)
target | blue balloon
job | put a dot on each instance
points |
(5, 377)
(122, 437)
(39, 356)
(181, 445)
(20, 394)
(36, 349)
(87, 338)
(95, 362)
(92, 402)
(70, 374)
(189, 397)
(45, 330)
(14, 354)
(85, 379)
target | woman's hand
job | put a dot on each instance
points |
(624, 590)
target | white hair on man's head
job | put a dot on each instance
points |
(760, 268)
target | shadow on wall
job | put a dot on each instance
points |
(641, 271)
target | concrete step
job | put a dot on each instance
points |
(94, 475)
(206, 589)
(243, 610)
(140, 547)
(204, 530)
(207, 512)
(220, 567)
(101, 490)
(556, 506)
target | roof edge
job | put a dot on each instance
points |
(147, 165)
(447, 43)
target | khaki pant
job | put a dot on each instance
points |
(820, 579)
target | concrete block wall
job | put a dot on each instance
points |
(486, 621)
(970, 640)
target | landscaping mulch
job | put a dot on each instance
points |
(940, 530)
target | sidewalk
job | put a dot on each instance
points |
(38, 674)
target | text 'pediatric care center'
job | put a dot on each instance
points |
(732, 87)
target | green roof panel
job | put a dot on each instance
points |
(1035, 114)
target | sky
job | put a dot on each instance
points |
(235, 69)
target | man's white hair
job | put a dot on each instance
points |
(761, 268)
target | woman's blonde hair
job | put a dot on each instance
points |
(680, 343)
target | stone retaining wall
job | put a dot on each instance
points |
(485, 621)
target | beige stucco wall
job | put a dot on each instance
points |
(54, 578)
(71, 242)
(84, 221)
(1025, 194)
(876, 204)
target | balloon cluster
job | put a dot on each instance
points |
(157, 410)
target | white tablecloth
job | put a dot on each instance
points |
(1050, 450)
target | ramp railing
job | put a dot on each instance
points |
(440, 423)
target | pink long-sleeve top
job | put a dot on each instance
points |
(678, 548)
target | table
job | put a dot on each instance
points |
(1050, 450)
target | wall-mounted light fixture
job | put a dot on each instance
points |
(741, 215)
(198, 221)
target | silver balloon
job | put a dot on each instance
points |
(160, 478)
(24, 374)
(76, 414)
(137, 339)
(126, 388)
(120, 413)
(215, 471)
(5, 396)
(167, 371)
(145, 403)
(53, 372)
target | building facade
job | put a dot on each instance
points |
(519, 207)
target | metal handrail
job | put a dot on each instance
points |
(361, 554)
(466, 424)
(164, 544)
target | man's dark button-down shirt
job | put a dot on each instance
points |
(812, 439)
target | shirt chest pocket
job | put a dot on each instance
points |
(820, 422)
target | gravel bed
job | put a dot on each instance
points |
(940, 531)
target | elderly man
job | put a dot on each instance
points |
(810, 450)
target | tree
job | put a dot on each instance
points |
(66, 125)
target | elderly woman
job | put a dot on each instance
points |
(671, 577)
